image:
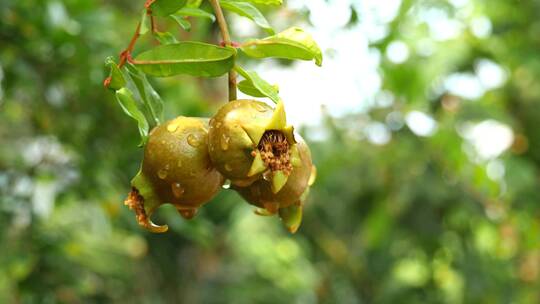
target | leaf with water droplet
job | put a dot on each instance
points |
(292, 43)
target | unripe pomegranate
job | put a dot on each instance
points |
(176, 169)
(248, 140)
(288, 202)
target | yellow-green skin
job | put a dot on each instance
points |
(229, 144)
(176, 168)
(260, 192)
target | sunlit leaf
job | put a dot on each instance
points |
(292, 43)
(166, 7)
(165, 37)
(150, 98)
(193, 3)
(182, 22)
(248, 10)
(258, 86)
(192, 58)
(126, 100)
(266, 2)
(117, 79)
(195, 12)
(247, 87)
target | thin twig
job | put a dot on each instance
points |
(227, 41)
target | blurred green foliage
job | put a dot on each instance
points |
(419, 219)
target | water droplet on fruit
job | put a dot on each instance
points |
(172, 126)
(187, 213)
(228, 167)
(193, 141)
(162, 173)
(226, 184)
(224, 142)
(267, 175)
(177, 190)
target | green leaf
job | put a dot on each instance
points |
(125, 98)
(150, 98)
(117, 79)
(192, 58)
(165, 37)
(266, 2)
(248, 10)
(292, 43)
(262, 86)
(247, 87)
(195, 12)
(145, 23)
(164, 8)
(194, 3)
(182, 22)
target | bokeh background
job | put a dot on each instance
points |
(423, 123)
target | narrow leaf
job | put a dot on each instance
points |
(150, 98)
(248, 10)
(195, 12)
(292, 43)
(117, 79)
(165, 37)
(182, 22)
(164, 8)
(247, 87)
(145, 23)
(125, 98)
(262, 86)
(192, 58)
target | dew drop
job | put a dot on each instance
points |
(172, 126)
(226, 184)
(193, 141)
(162, 173)
(177, 190)
(267, 175)
(228, 167)
(224, 142)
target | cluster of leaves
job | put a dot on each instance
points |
(199, 59)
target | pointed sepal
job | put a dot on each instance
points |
(291, 217)
(279, 119)
(143, 202)
(257, 166)
(255, 132)
(295, 156)
(279, 179)
(289, 134)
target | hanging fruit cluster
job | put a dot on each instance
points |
(247, 145)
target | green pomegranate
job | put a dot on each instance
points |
(287, 202)
(176, 169)
(249, 140)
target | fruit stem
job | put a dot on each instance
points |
(227, 41)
